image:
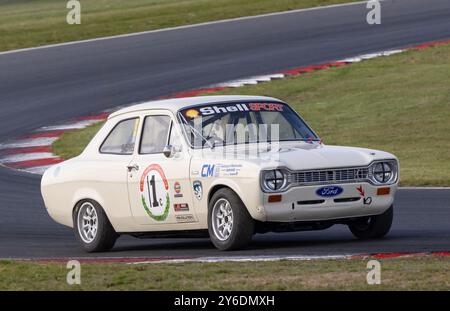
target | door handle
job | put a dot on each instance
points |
(133, 167)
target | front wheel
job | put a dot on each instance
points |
(373, 227)
(92, 227)
(230, 225)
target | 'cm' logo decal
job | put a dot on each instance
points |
(207, 170)
(154, 190)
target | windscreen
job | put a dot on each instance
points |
(243, 123)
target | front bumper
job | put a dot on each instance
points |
(303, 204)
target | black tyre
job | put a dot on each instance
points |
(92, 227)
(230, 225)
(373, 227)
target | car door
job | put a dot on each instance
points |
(107, 169)
(158, 184)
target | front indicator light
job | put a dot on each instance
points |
(274, 198)
(383, 191)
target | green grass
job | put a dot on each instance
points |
(27, 23)
(72, 144)
(425, 273)
(400, 104)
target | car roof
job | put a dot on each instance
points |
(176, 104)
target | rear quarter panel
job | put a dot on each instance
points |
(70, 182)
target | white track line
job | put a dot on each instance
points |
(250, 80)
(186, 27)
(266, 78)
(245, 259)
(26, 157)
(392, 52)
(355, 59)
(371, 55)
(69, 126)
(32, 142)
(39, 170)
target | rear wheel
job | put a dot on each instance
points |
(373, 227)
(92, 227)
(230, 225)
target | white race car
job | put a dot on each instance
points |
(227, 166)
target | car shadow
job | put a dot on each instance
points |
(263, 245)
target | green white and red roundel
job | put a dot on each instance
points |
(154, 190)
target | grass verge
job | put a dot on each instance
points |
(71, 144)
(399, 103)
(424, 273)
(25, 23)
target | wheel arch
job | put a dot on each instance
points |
(87, 194)
(216, 188)
(233, 186)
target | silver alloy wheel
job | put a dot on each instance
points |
(87, 222)
(222, 219)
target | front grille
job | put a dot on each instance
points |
(329, 176)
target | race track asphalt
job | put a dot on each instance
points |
(43, 86)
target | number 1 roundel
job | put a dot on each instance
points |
(154, 190)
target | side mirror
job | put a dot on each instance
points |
(168, 151)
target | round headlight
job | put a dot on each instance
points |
(382, 172)
(274, 180)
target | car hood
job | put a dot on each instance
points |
(320, 156)
(306, 156)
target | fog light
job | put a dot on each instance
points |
(383, 191)
(274, 198)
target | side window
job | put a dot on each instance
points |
(122, 138)
(174, 139)
(154, 134)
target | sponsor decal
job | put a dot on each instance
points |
(181, 207)
(185, 218)
(198, 189)
(362, 193)
(265, 107)
(228, 169)
(177, 189)
(208, 170)
(329, 191)
(217, 109)
(192, 113)
(227, 108)
(154, 190)
(216, 170)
